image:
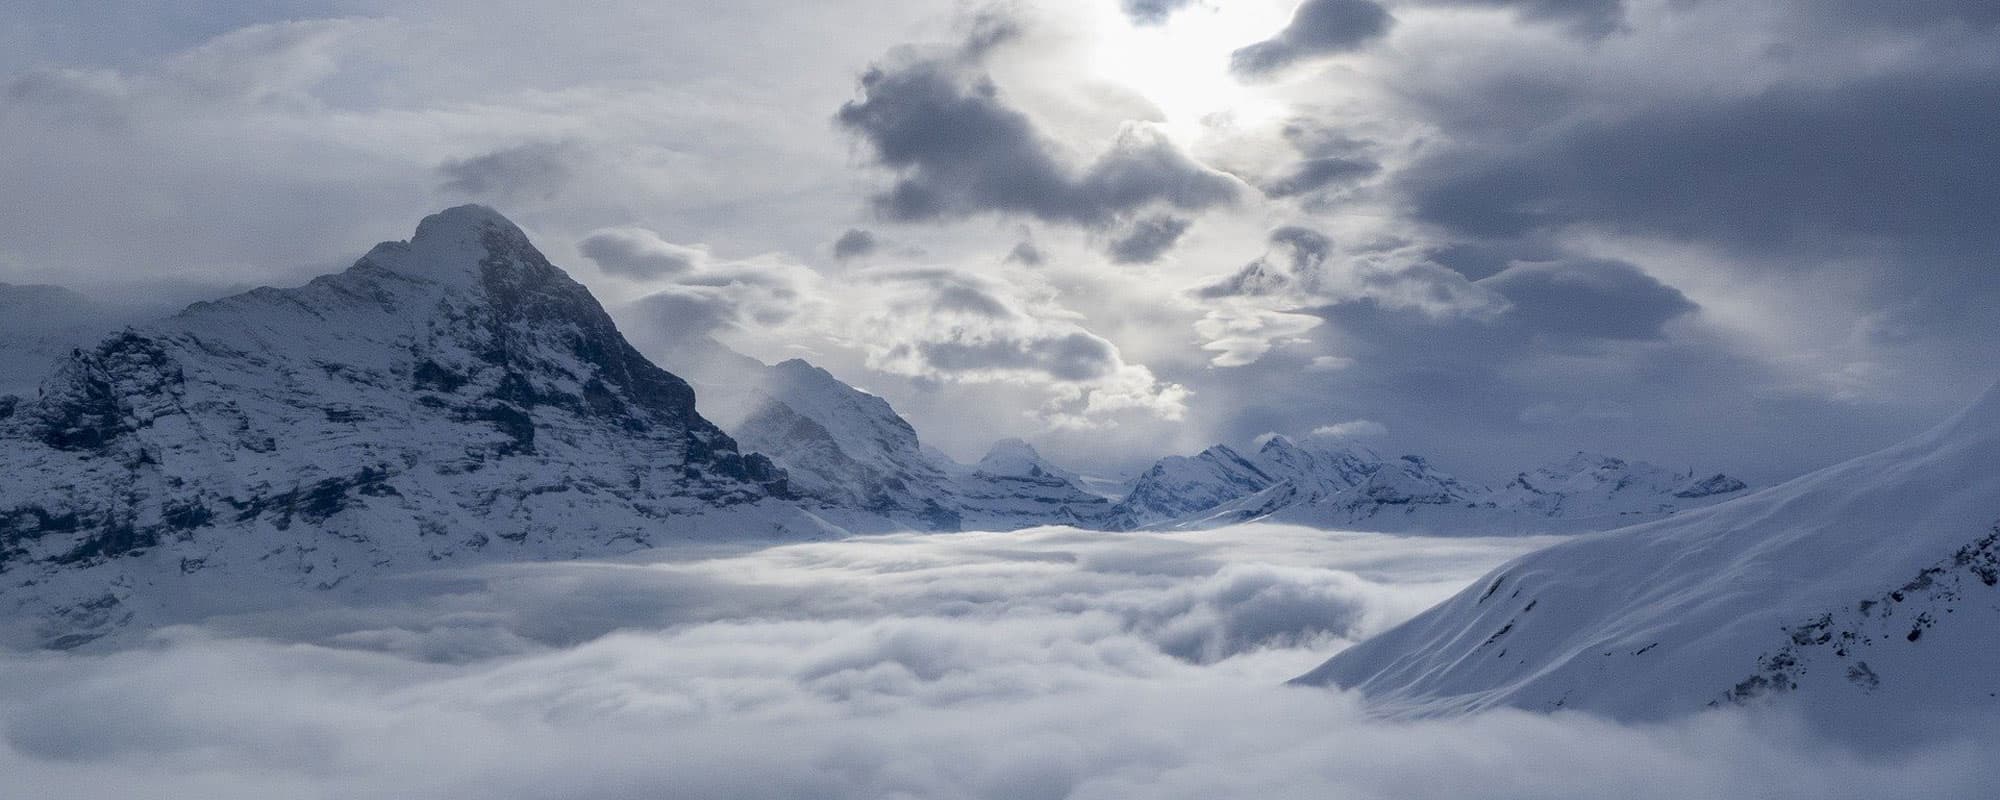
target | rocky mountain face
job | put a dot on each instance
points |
(1867, 593)
(452, 396)
(39, 325)
(1355, 487)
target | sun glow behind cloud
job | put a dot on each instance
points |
(1182, 66)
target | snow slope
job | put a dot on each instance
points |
(1863, 593)
(451, 397)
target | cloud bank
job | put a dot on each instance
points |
(1046, 663)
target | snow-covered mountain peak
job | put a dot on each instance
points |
(453, 396)
(1012, 457)
(457, 241)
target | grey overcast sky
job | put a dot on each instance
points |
(1751, 235)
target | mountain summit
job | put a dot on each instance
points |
(451, 396)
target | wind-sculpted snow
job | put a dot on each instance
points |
(1045, 663)
(1863, 595)
(453, 396)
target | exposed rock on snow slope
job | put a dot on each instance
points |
(1355, 487)
(1866, 592)
(1178, 486)
(453, 396)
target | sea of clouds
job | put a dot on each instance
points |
(1049, 663)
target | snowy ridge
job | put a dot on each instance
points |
(1014, 487)
(1864, 592)
(450, 397)
(1355, 487)
(846, 450)
(1178, 486)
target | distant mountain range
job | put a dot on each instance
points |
(458, 398)
(1353, 487)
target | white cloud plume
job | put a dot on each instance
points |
(1351, 429)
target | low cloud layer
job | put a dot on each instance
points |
(1046, 663)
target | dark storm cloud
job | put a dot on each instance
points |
(959, 149)
(682, 314)
(1075, 356)
(1983, 14)
(1147, 239)
(635, 253)
(96, 99)
(1587, 17)
(1905, 158)
(1152, 12)
(538, 170)
(1476, 260)
(855, 243)
(952, 291)
(1332, 157)
(1314, 174)
(1589, 299)
(1318, 28)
